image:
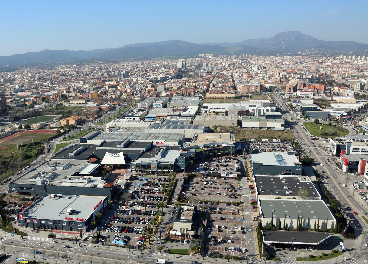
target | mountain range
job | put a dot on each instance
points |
(285, 43)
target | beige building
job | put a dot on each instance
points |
(220, 95)
(72, 120)
(215, 138)
(252, 122)
(183, 222)
(344, 100)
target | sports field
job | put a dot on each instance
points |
(23, 138)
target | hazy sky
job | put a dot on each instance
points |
(84, 25)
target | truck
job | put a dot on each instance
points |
(161, 261)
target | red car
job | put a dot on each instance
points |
(355, 213)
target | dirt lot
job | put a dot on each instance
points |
(236, 100)
(259, 134)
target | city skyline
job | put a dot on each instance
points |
(40, 25)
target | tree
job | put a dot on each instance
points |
(272, 221)
(160, 205)
(20, 127)
(330, 132)
(27, 126)
(191, 163)
(316, 121)
(196, 248)
(99, 215)
(303, 193)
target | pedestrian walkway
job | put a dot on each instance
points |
(39, 238)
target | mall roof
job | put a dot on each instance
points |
(55, 208)
(284, 185)
(122, 136)
(275, 158)
(113, 159)
(313, 209)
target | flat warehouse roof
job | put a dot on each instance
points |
(83, 155)
(55, 208)
(312, 209)
(275, 158)
(283, 184)
(294, 237)
(140, 136)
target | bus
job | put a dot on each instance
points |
(21, 260)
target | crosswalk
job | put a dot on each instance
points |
(39, 239)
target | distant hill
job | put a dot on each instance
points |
(172, 48)
(50, 56)
(291, 42)
(164, 49)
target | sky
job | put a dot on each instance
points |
(31, 26)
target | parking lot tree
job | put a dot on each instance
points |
(303, 193)
(99, 215)
(160, 205)
(272, 221)
(196, 248)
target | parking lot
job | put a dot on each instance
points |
(223, 166)
(136, 212)
(270, 146)
(220, 198)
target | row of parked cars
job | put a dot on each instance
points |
(148, 191)
(152, 184)
(131, 220)
(126, 229)
(135, 212)
(136, 203)
(137, 195)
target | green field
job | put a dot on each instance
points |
(60, 146)
(178, 251)
(39, 119)
(24, 138)
(327, 131)
(12, 160)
